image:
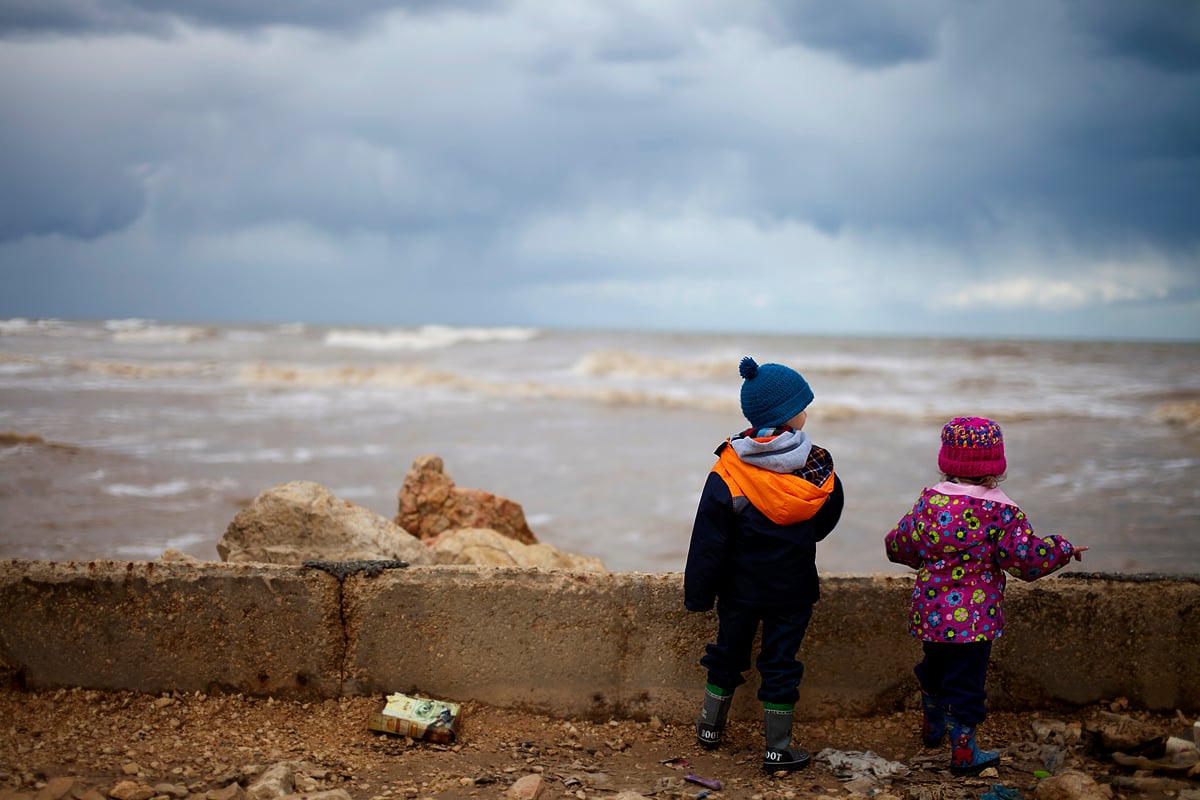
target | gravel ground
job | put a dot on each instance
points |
(89, 745)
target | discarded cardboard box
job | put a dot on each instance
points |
(417, 717)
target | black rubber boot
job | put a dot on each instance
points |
(711, 724)
(780, 755)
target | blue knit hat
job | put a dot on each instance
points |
(772, 393)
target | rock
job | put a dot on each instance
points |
(488, 548)
(430, 504)
(171, 790)
(171, 554)
(301, 520)
(131, 790)
(328, 794)
(529, 787)
(1119, 732)
(277, 781)
(231, 792)
(1070, 785)
(56, 788)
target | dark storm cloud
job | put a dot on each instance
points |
(1162, 34)
(536, 152)
(155, 17)
(867, 33)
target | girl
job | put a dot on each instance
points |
(962, 536)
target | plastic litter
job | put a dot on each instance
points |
(707, 783)
(1001, 792)
(1176, 745)
(853, 764)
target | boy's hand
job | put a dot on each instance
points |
(1077, 553)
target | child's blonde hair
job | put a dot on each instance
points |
(990, 481)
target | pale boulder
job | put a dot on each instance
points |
(299, 521)
(488, 548)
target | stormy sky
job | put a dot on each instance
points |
(1018, 168)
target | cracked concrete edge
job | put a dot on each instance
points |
(568, 644)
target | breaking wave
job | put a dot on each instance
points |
(140, 331)
(427, 337)
(624, 364)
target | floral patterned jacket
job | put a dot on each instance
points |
(962, 539)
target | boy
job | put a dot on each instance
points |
(771, 496)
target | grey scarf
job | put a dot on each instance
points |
(785, 453)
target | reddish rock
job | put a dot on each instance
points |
(430, 504)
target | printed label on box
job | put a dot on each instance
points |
(417, 717)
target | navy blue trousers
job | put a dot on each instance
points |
(957, 674)
(778, 668)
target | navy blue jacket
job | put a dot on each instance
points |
(749, 561)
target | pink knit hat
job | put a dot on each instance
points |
(972, 447)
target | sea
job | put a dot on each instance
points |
(121, 439)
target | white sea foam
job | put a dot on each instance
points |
(15, 325)
(165, 489)
(354, 492)
(145, 331)
(427, 337)
(143, 551)
(20, 326)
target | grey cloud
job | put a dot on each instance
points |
(154, 17)
(81, 200)
(867, 33)
(419, 152)
(1163, 34)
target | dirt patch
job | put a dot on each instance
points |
(211, 747)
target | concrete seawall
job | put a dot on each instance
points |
(562, 643)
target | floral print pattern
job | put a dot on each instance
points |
(963, 541)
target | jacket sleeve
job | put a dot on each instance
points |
(711, 531)
(1024, 555)
(826, 519)
(900, 544)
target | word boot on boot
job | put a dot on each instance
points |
(780, 755)
(965, 757)
(933, 720)
(713, 713)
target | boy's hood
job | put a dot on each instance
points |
(785, 497)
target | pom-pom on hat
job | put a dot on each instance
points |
(772, 393)
(972, 447)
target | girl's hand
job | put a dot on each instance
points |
(1077, 553)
